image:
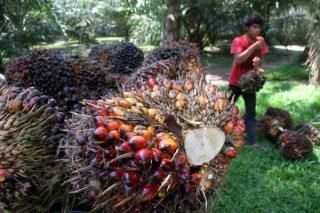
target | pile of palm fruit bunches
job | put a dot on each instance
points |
(293, 142)
(164, 146)
(30, 130)
(159, 143)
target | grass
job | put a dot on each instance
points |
(292, 70)
(266, 182)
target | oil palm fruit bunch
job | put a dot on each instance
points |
(30, 130)
(294, 145)
(163, 146)
(162, 53)
(119, 57)
(252, 81)
(66, 79)
(309, 131)
(275, 122)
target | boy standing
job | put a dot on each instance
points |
(248, 50)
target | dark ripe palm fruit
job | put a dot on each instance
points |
(156, 156)
(143, 157)
(187, 187)
(158, 176)
(92, 194)
(138, 142)
(124, 129)
(97, 160)
(100, 133)
(148, 192)
(99, 121)
(130, 178)
(180, 161)
(166, 164)
(162, 53)
(116, 175)
(168, 145)
(184, 174)
(60, 117)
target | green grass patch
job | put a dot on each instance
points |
(291, 70)
(267, 182)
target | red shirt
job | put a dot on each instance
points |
(240, 44)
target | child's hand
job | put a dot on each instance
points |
(256, 62)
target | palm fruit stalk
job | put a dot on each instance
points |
(275, 122)
(164, 146)
(309, 131)
(294, 145)
(30, 130)
(66, 79)
(120, 57)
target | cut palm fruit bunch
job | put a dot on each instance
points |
(121, 57)
(294, 145)
(183, 54)
(309, 131)
(275, 122)
(67, 79)
(30, 129)
(163, 146)
(252, 82)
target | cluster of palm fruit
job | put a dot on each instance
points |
(174, 61)
(163, 146)
(30, 130)
(119, 57)
(252, 81)
(67, 79)
(295, 142)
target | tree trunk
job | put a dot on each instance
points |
(313, 60)
(172, 21)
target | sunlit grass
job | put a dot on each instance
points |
(266, 182)
(292, 70)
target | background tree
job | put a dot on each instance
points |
(172, 21)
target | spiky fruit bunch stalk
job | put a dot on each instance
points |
(66, 79)
(309, 131)
(120, 57)
(252, 81)
(162, 146)
(294, 145)
(30, 128)
(275, 122)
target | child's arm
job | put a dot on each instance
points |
(242, 57)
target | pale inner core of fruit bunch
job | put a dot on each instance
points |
(202, 145)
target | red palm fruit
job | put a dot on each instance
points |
(124, 129)
(99, 121)
(161, 136)
(195, 179)
(184, 174)
(187, 187)
(148, 192)
(138, 142)
(168, 146)
(180, 104)
(189, 85)
(116, 175)
(116, 111)
(223, 161)
(113, 136)
(151, 82)
(125, 104)
(230, 152)
(156, 156)
(166, 164)
(158, 176)
(4, 174)
(124, 148)
(112, 124)
(143, 157)
(132, 163)
(177, 86)
(180, 161)
(147, 134)
(110, 152)
(173, 94)
(100, 133)
(240, 128)
(239, 143)
(130, 178)
(228, 127)
(129, 135)
(111, 165)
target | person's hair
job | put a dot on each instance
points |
(253, 18)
